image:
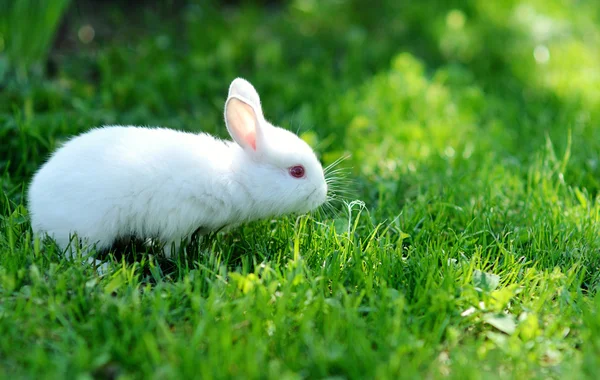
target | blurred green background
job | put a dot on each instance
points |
(474, 141)
(398, 84)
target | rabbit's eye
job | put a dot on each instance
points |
(297, 171)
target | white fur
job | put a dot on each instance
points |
(116, 182)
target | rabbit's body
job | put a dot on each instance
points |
(125, 177)
(118, 182)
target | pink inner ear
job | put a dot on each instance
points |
(251, 140)
(242, 122)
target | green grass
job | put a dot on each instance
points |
(27, 28)
(473, 250)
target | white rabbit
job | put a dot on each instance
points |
(118, 182)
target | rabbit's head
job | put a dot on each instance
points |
(278, 170)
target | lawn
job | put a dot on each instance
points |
(467, 244)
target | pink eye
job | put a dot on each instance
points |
(297, 171)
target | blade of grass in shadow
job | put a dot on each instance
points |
(27, 29)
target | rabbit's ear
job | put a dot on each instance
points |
(242, 89)
(243, 114)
